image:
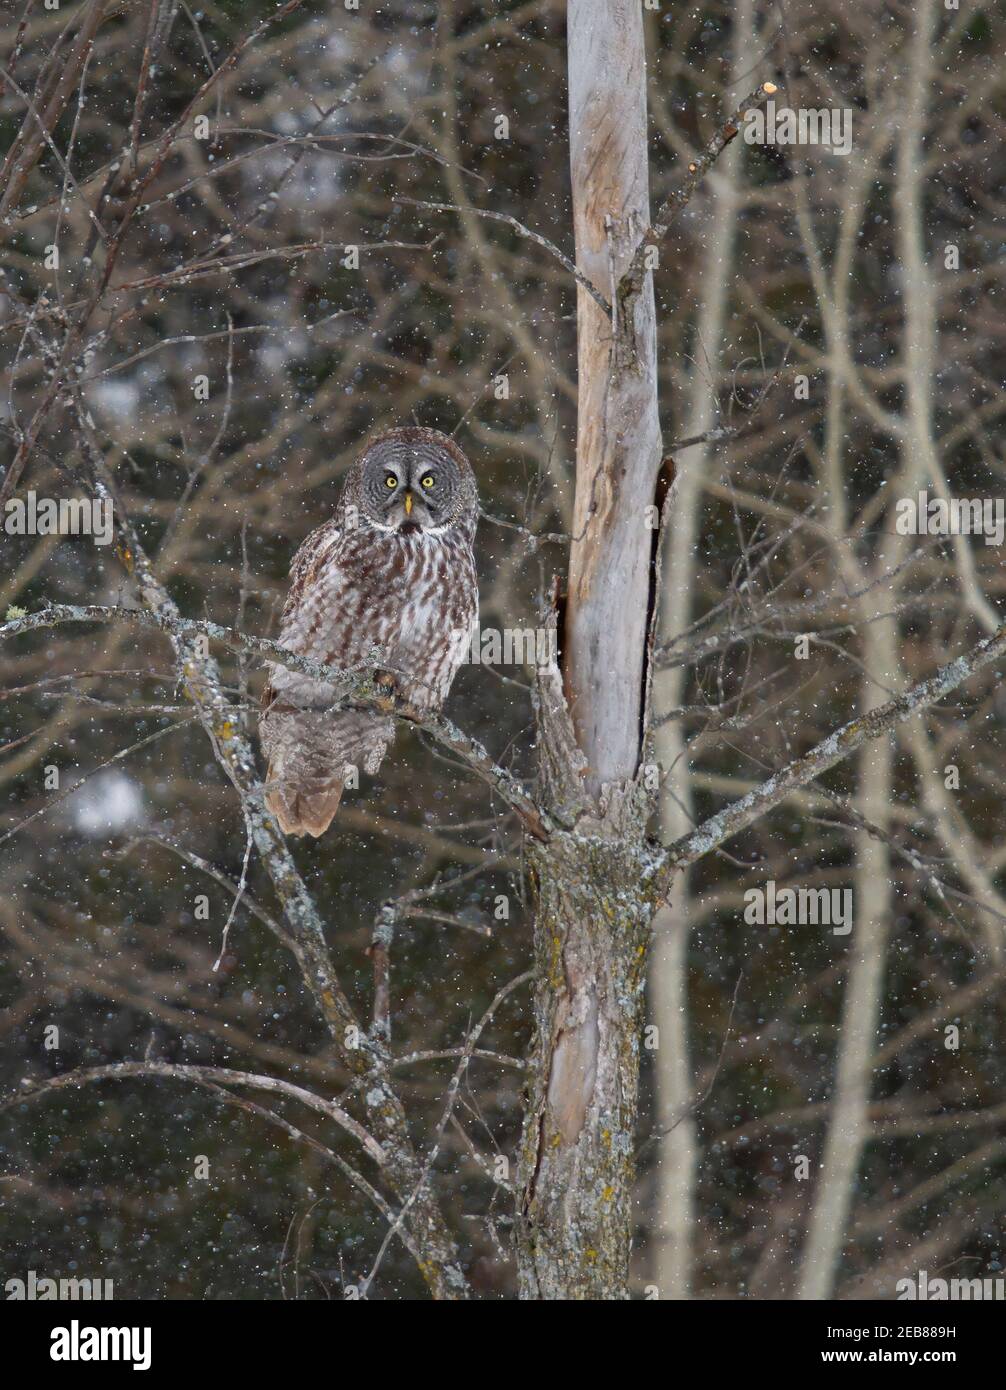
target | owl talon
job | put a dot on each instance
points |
(386, 686)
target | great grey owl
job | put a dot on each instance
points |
(391, 572)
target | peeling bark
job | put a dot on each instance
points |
(578, 1150)
(618, 431)
(594, 905)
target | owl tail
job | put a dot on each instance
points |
(302, 812)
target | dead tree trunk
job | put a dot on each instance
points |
(595, 899)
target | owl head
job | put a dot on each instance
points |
(411, 480)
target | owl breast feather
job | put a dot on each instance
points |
(403, 602)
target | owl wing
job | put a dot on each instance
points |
(309, 745)
(324, 540)
(318, 619)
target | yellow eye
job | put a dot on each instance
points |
(427, 481)
(391, 480)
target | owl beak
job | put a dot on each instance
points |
(408, 502)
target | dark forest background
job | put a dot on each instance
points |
(234, 270)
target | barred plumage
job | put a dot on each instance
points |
(389, 582)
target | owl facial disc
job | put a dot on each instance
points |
(414, 480)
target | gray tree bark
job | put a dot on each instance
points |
(594, 908)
